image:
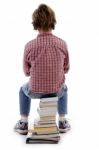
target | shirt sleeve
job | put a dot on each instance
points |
(66, 60)
(26, 61)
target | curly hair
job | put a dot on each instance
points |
(43, 18)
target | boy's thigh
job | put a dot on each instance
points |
(30, 94)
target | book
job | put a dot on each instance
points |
(37, 136)
(44, 129)
(47, 103)
(31, 137)
(31, 140)
(47, 110)
(41, 122)
(50, 99)
(44, 125)
(48, 118)
(44, 138)
(43, 105)
(46, 113)
(40, 125)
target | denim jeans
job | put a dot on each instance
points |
(25, 96)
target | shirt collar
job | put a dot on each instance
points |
(44, 33)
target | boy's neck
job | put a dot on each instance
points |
(42, 31)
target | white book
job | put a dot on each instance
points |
(47, 120)
(46, 104)
(43, 111)
(50, 99)
(48, 109)
(47, 115)
(47, 112)
(43, 122)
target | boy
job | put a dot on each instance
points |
(46, 60)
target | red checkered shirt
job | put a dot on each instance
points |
(46, 60)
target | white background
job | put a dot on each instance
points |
(78, 24)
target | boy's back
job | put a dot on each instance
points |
(46, 61)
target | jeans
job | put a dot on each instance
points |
(25, 96)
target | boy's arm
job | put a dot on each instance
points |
(26, 61)
(66, 60)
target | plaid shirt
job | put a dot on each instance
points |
(46, 61)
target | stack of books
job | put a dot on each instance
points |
(45, 129)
